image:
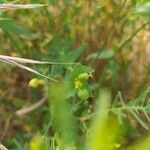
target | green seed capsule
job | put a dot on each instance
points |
(83, 77)
(34, 83)
(83, 94)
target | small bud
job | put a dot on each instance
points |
(34, 82)
(83, 94)
(77, 84)
(41, 82)
(84, 77)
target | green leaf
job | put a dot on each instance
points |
(142, 144)
(53, 2)
(61, 111)
(39, 143)
(8, 25)
(75, 54)
(144, 9)
(78, 69)
(139, 119)
(104, 54)
(105, 130)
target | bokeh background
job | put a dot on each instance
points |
(111, 36)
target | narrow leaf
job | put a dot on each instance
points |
(19, 6)
(146, 115)
(139, 120)
(26, 68)
(30, 61)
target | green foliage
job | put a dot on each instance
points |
(142, 144)
(53, 43)
(144, 9)
(83, 94)
(103, 135)
(64, 121)
(39, 143)
(79, 83)
(134, 107)
(103, 54)
(9, 26)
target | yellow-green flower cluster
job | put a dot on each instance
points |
(79, 84)
(36, 82)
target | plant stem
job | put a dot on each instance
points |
(129, 108)
(132, 36)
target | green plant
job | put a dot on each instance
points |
(74, 110)
(134, 107)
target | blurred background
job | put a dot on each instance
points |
(110, 36)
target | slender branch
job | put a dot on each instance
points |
(139, 108)
(2, 147)
(132, 36)
(19, 6)
(114, 22)
(31, 61)
(30, 108)
(111, 28)
(8, 61)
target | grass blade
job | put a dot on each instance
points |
(4, 7)
(31, 61)
(26, 68)
(139, 120)
(2, 147)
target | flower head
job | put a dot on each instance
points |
(77, 84)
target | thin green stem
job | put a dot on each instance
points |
(112, 26)
(132, 36)
(139, 108)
